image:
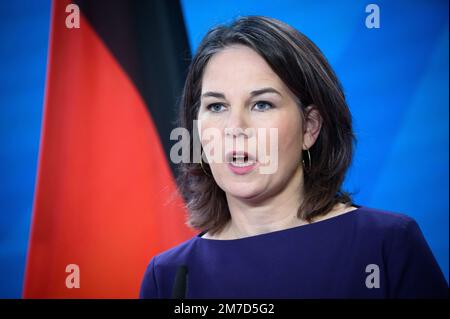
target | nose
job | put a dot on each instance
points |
(237, 123)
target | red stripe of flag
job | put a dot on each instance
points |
(103, 189)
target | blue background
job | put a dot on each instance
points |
(395, 79)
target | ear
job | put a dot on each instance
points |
(313, 124)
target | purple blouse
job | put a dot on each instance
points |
(365, 253)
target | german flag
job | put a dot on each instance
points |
(105, 198)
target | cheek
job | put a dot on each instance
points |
(211, 137)
(289, 138)
(208, 125)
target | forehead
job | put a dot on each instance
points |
(238, 67)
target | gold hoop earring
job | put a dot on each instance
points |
(309, 161)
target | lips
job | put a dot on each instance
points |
(240, 163)
(240, 158)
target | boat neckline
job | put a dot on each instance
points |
(282, 231)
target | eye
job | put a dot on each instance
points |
(216, 107)
(262, 106)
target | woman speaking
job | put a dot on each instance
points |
(291, 231)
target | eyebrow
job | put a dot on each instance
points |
(252, 93)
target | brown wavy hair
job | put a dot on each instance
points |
(305, 71)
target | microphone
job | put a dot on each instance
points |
(179, 287)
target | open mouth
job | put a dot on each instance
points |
(241, 163)
(241, 160)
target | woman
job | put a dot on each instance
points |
(292, 232)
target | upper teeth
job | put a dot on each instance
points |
(239, 160)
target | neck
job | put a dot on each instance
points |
(275, 212)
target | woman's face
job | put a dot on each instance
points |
(241, 92)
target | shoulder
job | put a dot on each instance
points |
(384, 221)
(161, 268)
(398, 235)
(386, 229)
(399, 232)
(411, 269)
(177, 253)
(397, 229)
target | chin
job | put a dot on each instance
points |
(249, 186)
(243, 190)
